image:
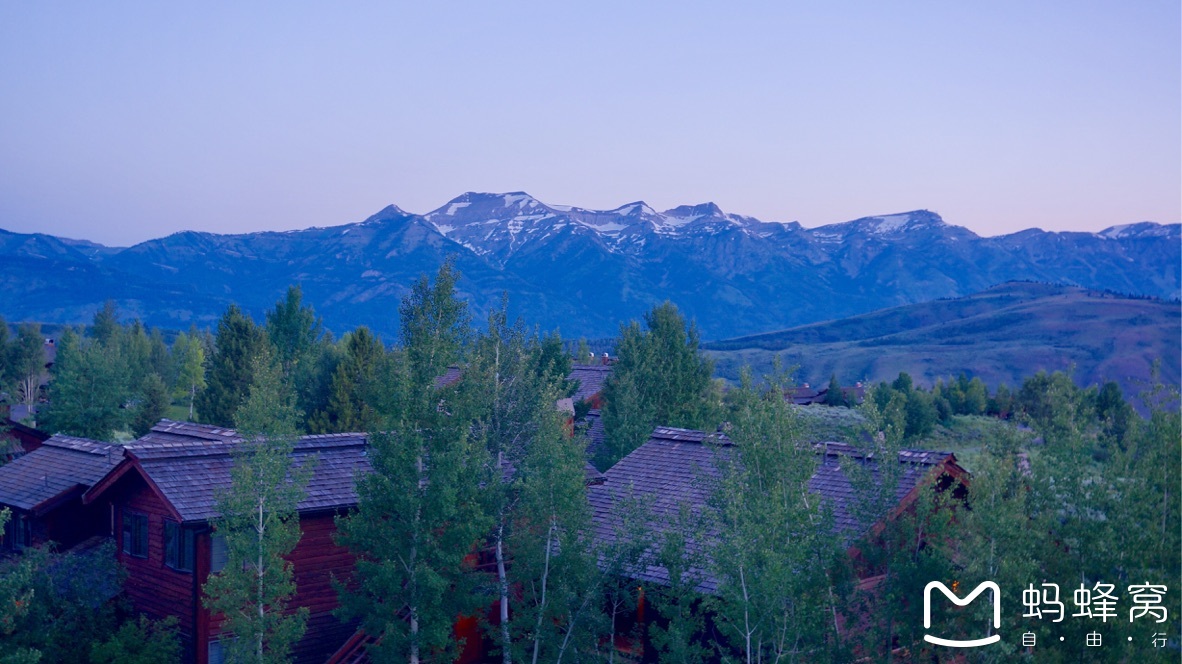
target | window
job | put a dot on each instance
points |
(135, 534)
(18, 532)
(217, 654)
(220, 553)
(178, 546)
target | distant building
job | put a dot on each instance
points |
(44, 489)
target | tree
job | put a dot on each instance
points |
(680, 636)
(419, 512)
(88, 390)
(239, 341)
(351, 392)
(189, 358)
(142, 641)
(896, 547)
(660, 378)
(834, 395)
(298, 338)
(152, 406)
(293, 330)
(105, 328)
(27, 358)
(551, 539)
(775, 546)
(259, 519)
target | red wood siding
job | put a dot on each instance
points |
(152, 587)
(316, 561)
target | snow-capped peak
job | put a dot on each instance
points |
(636, 209)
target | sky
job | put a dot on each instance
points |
(125, 121)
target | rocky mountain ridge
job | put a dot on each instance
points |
(577, 269)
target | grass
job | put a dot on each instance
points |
(1003, 335)
(965, 436)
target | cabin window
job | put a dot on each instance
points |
(216, 653)
(219, 554)
(18, 532)
(135, 534)
(178, 546)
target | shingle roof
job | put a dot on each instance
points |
(832, 483)
(592, 429)
(191, 463)
(590, 377)
(675, 467)
(61, 465)
(449, 377)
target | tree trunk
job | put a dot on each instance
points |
(503, 583)
(545, 578)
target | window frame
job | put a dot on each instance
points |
(218, 562)
(134, 532)
(180, 547)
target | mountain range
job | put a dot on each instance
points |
(582, 271)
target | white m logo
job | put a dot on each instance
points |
(927, 613)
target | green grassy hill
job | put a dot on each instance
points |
(1002, 335)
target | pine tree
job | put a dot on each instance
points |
(354, 382)
(229, 375)
(152, 406)
(294, 331)
(259, 520)
(834, 396)
(105, 328)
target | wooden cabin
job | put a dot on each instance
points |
(162, 498)
(677, 467)
(44, 489)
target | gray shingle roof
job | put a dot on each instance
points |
(833, 483)
(62, 464)
(675, 466)
(590, 377)
(191, 463)
(592, 429)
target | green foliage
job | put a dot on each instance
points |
(775, 548)
(261, 526)
(105, 327)
(550, 537)
(419, 511)
(189, 359)
(660, 378)
(27, 361)
(142, 641)
(239, 342)
(352, 389)
(894, 546)
(89, 389)
(834, 396)
(54, 606)
(680, 633)
(152, 405)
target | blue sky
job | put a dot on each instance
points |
(125, 121)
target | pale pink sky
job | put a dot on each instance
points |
(125, 121)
